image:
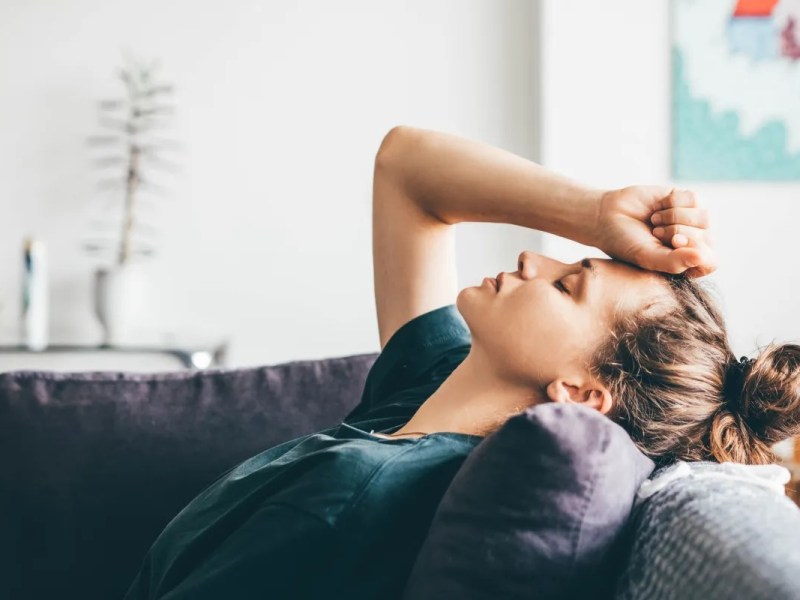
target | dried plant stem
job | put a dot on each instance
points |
(132, 122)
(131, 185)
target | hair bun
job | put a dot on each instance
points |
(735, 378)
(763, 398)
(770, 398)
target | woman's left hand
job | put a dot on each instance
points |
(656, 228)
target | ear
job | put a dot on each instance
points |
(591, 394)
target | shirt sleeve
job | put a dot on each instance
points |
(415, 361)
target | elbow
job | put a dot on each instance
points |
(391, 149)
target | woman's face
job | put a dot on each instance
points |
(544, 321)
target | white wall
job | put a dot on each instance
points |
(606, 120)
(281, 106)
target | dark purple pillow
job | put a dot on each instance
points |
(538, 510)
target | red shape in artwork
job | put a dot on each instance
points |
(754, 8)
(790, 47)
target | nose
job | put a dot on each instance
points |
(532, 265)
(527, 264)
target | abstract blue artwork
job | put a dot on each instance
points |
(736, 90)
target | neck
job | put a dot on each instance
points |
(473, 399)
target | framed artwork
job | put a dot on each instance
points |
(736, 90)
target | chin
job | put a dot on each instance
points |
(464, 299)
(468, 303)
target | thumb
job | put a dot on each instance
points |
(670, 260)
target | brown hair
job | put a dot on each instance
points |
(682, 394)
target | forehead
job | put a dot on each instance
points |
(627, 288)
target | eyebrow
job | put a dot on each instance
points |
(587, 264)
(590, 269)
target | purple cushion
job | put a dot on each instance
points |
(538, 510)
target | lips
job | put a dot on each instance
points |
(500, 277)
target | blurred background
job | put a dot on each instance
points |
(258, 232)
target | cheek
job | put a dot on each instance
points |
(534, 332)
(535, 318)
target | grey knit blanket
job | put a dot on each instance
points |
(705, 532)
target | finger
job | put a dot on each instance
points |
(669, 260)
(696, 272)
(681, 235)
(695, 217)
(706, 267)
(678, 199)
(675, 261)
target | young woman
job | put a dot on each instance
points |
(341, 513)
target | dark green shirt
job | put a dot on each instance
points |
(337, 514)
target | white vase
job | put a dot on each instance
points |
(120, 302)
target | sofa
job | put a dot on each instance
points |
(94, 465)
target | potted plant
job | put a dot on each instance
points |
(131, 149)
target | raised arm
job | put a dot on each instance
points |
(426, 181)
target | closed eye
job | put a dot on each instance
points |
(561, 287)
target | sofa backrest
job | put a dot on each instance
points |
(94, 465)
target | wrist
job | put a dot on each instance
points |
(587, 217)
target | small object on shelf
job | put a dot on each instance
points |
(143, 358)
(120, 301)
(134, 150)
(35, 306)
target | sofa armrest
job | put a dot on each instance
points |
(708, 535)
(94, 465)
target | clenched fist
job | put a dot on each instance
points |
(656, 228)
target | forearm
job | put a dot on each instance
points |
(457, 180)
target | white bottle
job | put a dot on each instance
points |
(35, 301)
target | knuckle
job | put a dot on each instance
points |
(689, 217)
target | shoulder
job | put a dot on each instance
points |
(410, 483)
(363, 475)
(416, 463)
